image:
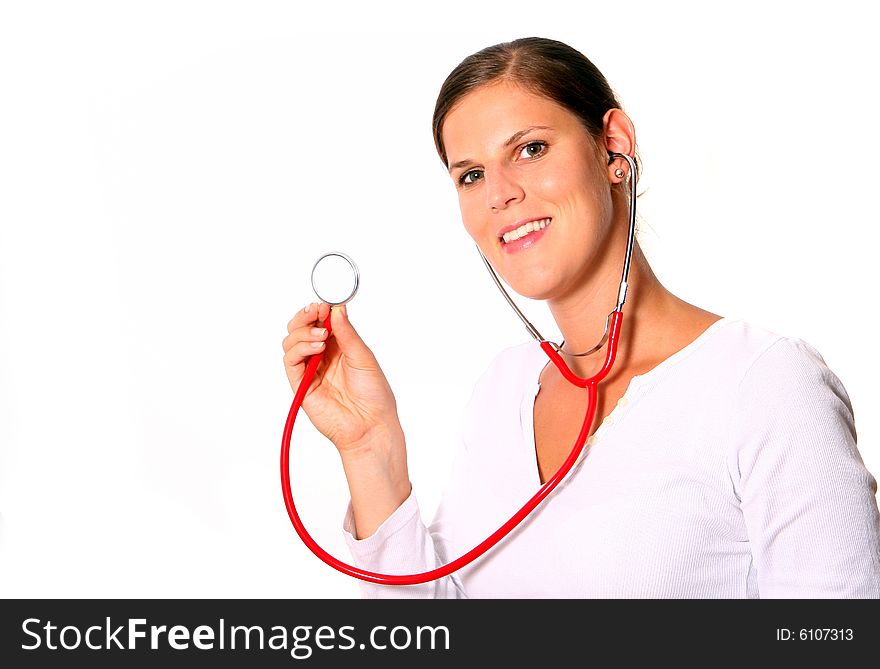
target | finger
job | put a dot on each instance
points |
(303, 317)
(308, 333)
(300, 351)
(323, 312)
(349, 341)
(296, 364)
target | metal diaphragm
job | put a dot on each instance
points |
(335, 278)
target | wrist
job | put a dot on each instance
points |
(380, 442)
(377, 479)
(377, 463)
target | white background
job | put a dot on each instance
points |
(169, 171)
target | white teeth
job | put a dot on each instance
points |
(525, 229)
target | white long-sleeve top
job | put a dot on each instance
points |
(730, 470)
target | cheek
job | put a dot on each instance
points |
(553, 187)
(470, 214)
(559, 179)
(574, 191)
(559, 189)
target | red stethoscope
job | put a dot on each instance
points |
(611, 335)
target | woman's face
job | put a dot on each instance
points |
(532, 186)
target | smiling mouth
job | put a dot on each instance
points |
(525, 229)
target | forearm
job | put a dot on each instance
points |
(378, 479)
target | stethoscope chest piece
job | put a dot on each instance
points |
(335, 278)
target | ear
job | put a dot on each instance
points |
(620, 137)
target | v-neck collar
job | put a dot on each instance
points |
(527, 406)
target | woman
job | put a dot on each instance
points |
(724, 463)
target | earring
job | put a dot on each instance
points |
(619, 173)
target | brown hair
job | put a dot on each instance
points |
(544, 66)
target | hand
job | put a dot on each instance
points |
(349, 400)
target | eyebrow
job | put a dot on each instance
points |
(515, 137)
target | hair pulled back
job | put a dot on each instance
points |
(540, 65)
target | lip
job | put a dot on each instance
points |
(524, 242)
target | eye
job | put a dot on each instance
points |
(533, 150)
(470, 177)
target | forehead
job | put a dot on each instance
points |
(487, 116)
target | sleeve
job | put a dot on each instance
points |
(808, 502)
(401, 545)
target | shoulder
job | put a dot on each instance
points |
(750, 355)
(514, 365)
(778, 366)
(754, 379)
(509, 372)
(497, 398)
(513, 360)
(788, 401)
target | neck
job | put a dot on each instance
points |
(581, 315)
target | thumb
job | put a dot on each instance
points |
(349, 341)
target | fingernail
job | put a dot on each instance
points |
(307, 309)
(319, 332)
(317, 344)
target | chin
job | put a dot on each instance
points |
(542, 295)
(535, 283)
(533, 288)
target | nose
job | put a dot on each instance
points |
(502, 191)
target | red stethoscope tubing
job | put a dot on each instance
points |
(413, 579)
